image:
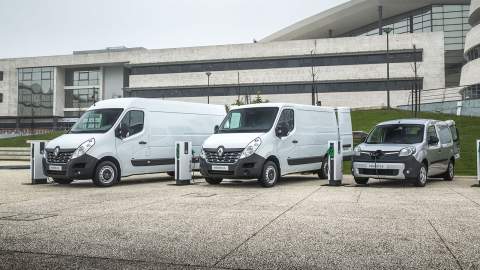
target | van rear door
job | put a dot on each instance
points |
(456, 138)
(345, 126)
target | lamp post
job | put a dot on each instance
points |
(387, 30)
(208, 83)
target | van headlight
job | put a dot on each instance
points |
(407, 151)
(202, 154)
(357, 151)
(83, 148)
(251, 148)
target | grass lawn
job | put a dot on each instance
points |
(22, 140)
(468, 127)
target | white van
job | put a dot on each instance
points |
(266, 141)
(128, 136)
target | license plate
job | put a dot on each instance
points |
(219, 168)
(54, 168)
(376, 166)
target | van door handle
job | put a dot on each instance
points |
(294, 141)
(142, 142)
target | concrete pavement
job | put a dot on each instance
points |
(148, 222)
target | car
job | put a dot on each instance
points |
(128, 136)
(270, 140)
(408, 149)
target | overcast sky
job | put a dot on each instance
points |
(49, 27)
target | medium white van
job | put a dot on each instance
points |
(127, 136)
(266, 141)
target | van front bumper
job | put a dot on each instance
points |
(404, 168)
(245, 168)
(79, 168)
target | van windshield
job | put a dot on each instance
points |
(249, 120)
(96, 121)
(396, 134)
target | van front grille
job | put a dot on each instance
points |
(61, 158)
(386, 172)
(228, 157)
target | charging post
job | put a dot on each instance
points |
(478, 161)
(183, 163)
(335, 163)
(37, 149)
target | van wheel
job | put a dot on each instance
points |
(62, 181)
(421, 179)
(450, 173)
(213, 181)
(171, 174)
(361, 180)
(270, 174)
(106, 174)
(323, 173)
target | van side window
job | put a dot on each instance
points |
(431, 132)
(287, 118)
(133, 121)
(454, 132)
(445, 135)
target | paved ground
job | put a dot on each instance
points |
(147, 222)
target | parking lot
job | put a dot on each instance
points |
(148, 222)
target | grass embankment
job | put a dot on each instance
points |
(468, 127)
(21, 141)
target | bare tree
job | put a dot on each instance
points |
(313, 73)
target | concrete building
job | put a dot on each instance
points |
(471, 70)
(338, 57)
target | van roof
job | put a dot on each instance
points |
(412, 121)
(300, 106)
(153, 104)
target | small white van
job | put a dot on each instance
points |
(127, 136)
(266, 141)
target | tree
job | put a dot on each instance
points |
(259, 99)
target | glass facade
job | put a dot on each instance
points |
(80, 98)
(451, 19)
(81, 87)
(473, 53)
(471, 92)
(88, 77)
(35, 91)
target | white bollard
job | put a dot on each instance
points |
(335, 163)
(37, 149)
(183, 163)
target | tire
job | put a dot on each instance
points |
(106, 174)
(450, 173)
(323, 173)
(361, 180)
(270, 174)
(62, 181)
(171, 174)
(421, 179)
(213, 181)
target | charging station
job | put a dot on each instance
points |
(183, 163)
(37, 149)
(478, 161)
(335, 163)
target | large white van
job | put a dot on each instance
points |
(128, 136)
(266, 141)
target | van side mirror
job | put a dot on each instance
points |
(121, 132)
(216, 129)
(433, 140)
(281, 131)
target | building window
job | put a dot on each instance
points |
(290, 62)
(1, 97)
(83, 77)
(80, 98)
(35, 91)
(1, 76)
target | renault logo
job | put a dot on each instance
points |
(56, 151)
(220, 151)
